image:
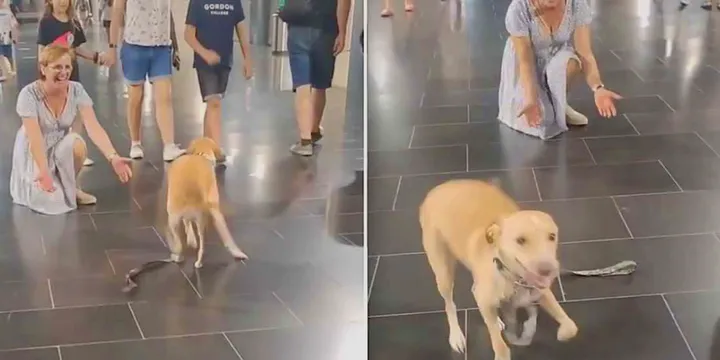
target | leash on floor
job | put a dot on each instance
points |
(625, 267)
(132, 275)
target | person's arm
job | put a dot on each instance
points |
(173, 35)
(584, 51)
(95, 131)
(242, 34)
(343, 14)
(42, 37)
(117, 19)
(26, 107)
(190, 33)
(79, 40)
(526, 65)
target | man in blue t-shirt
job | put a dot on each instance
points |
(209, 30)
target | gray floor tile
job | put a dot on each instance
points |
(697, 315)
(651, 147)
(182, 348)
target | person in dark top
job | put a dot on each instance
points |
(312, 48)
(209, 29)
(58, 26)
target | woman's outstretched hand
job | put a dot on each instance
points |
(532, 113)
(121, 166)
(605, 102)
(45, 182)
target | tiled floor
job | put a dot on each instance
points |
(300, 221)
(643, 186)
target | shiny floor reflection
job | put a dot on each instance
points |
(300, 221)
(643, 186)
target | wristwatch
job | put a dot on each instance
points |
(598, 87)
(112, 46)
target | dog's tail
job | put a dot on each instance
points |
(222, 229)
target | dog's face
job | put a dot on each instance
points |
(204, 147)
(527, 242)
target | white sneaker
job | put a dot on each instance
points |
(575, 118)
(88, 162)
(84, 198)
(136, 151)
(172, 152)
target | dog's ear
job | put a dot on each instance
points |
(492, 233)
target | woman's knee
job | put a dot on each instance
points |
(573, 67)
(79, 149)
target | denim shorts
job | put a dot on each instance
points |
(6, 51)
(312, 61)
(145, 62)
(213, 81)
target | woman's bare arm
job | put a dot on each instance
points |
(583, 47)
(96, 132)
(526, 65)
(37, 144)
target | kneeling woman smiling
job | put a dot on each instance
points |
(47, 156)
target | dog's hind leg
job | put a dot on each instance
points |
(190, 234)
(443, 265)
(200, 225)
(175, 221)
(225, 236)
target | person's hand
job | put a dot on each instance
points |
(121, 166)
(108, 58)
(605, 102)
(339, 44)
(532, 112)
(45, 182)
(248, 70)
(211, 57)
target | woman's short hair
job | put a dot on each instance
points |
(51, 54)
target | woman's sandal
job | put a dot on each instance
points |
(386, 13)
(409, 7)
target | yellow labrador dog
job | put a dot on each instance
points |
(192, 196)
(511, 254)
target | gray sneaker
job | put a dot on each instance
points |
(303, 150)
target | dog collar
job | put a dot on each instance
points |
(508, 274)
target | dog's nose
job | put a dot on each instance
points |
(545, 269)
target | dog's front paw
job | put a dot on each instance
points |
(502, 351)
(177, 258)
(238, 255)
(457, 340)
(567, 330)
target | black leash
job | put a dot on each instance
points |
(131, 276)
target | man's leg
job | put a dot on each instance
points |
(135, 65)
(300, 41)
(319, 99)
(159, 74)
(323, 70)
(213, 83)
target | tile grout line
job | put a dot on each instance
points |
(288, 308)
(670, 175)
(197, 292)
(397, 192)
(592, 157)
(232, 346)
(412, 136)
(112, 267)
(92, 221)
(59, 353)
(372, 279)
(706, 143)
(631, 124)
(52, 297)
(581, 300)
(132, 312)
(677, 325)
(537, 185)
(617, 208)
(466, 334)
(467, 158)
(562, 290)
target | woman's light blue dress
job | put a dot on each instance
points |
(552, 54)
(59, 141)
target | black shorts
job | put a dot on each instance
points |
(213, 81)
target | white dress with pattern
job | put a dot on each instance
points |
(552, 54)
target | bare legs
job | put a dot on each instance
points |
(213, 116)
(79, 156)
(387, 7)
(573, 117)
(163, 112)
(309, 109)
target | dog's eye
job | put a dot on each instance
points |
(521, 240)
(552, 237)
